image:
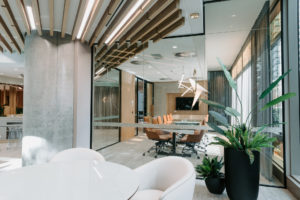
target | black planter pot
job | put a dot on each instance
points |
(241, 177)
(215, 185)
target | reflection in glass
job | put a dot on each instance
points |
(106, 108)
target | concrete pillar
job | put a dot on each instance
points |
(50, 87)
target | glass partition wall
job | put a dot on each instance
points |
(163, 80)
(106, 108)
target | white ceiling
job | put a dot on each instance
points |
(11, 65)
(228, 23)
(191, 26)
(169, 67)
(224, 36)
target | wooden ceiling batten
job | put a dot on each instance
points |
(78, 19)
(1, 49)
(51, 16)
(146, 18)
(8, 34)
(169, 30)
(116, 20)
(104, 19)
(91, 19)
(162, 26)
(36, 15)
(13, 23)
(167, 12)
(24, 16)
(65, 18)
(3, 40)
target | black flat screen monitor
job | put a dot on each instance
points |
(185, 103)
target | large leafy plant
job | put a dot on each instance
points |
(210, 168)
(241, 135)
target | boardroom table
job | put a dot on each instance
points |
(74, 180)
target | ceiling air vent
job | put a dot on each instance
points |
(156, 56)
(185, 54)
(165, 79)
(138, 62)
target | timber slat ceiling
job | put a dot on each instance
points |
(114, 40)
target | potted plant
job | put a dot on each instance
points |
(209, 170)
(242, 142)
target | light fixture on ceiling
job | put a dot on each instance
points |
(233, 15)
(194, 15)
(130, 16)
(100, 71)
(85, 17)
(174, 47)
(31, 18)
(135, 57)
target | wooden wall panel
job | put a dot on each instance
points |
(171, 103)
(127, 105)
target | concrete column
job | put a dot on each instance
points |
(50, 86)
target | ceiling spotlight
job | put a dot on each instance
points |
(233, 15)
(174, 47)
(135, 57)
(85, 17)
(31, 18)
(194, 15)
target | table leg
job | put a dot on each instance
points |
(174, 143)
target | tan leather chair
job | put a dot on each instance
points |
(171, 117)
(160, 137)
(159, 120)
(147, 119)
(165, 119)
(154, 120)
(192, 141)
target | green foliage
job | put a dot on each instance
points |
(240, 136)
(210, 167)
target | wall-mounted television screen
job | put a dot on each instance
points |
(185, 103)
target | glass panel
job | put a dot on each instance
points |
(106, 108)
(295, 161)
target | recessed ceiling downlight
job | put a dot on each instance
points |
(194, 15)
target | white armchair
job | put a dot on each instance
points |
(77, 154)
(169, 178)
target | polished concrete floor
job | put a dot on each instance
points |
(129, 153)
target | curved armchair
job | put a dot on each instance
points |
(77, 154)
(168, 178)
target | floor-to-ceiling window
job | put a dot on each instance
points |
(257, 65)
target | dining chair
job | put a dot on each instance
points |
(161, 138)
(168, 178)
(192, 142)
(154, 120)
(77, 154)
(171, 117)
(147, 119)
(159, 120)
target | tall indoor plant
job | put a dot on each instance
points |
(242, 143)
